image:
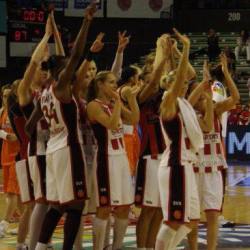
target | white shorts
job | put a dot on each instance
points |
(178, 193)
(113, 181)
(147, 189)
(66, 175)
(37, 167)
(24, 181)
(210, 188)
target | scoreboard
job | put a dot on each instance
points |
(27, 25)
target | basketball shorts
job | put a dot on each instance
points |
(147, 188)
(66, 175)
(178, 193)
(113, 181)
(37, 167)
(210, 188)
(24, 181)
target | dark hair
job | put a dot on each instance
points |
(217, 73)
(54, 64)
(127, 73)
(93, 88)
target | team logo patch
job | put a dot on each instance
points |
(80, 193)
(103, 200)
(138, 198)
(177, 214)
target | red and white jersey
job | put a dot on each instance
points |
(212, 155)
(110, 141)
(179, 149)
(63, 119)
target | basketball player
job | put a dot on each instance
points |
(152, 146)
(212, 162)
(113, 180)
(9, 150)
(17, 121)
(66, 174)
(29, 90)
(183, 138)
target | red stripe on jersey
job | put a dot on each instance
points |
(115, 144)
(207, 149)
(218, 149)
(188, 143)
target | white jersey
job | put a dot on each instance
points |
(63, 119)
(212, 155)
(179, 149)
(110, 141)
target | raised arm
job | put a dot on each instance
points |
(131, 115)
(96, 47)
(122, 44)
(234, 98)
(206, 122)
(96, 113)
(58, 42)
(204, 85)
(162, 57)
(31, 123)
(177, 54)
(168, 105)
(62, 88)
(23, 91)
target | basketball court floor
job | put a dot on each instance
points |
(236, 209)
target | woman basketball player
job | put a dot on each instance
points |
(29, 90)
(211, 160)
(66, 174)
(113, 180)
(152, 146)
(183, 138)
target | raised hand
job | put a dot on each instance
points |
(123, 41)
(224, 62)
(183, 38)
(98, 44)
(90, 11)
(49, 27)
(206, 74)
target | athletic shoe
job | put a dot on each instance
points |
(13, 231)
(22, 247)
(3, 228)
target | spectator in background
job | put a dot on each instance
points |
(248, 85)
(213, 49)
(231, 60)
(243, 45)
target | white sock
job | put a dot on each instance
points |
(36, 222)
(99, 229)
(120, 228)
(164, 238)
(107, 234)
(180, 235)
(41, 246)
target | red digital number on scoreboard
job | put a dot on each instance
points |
(33, 16)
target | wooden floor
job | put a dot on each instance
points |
(236, 206)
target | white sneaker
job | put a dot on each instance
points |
(3, 228)
(22, 247)
(13, 231)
